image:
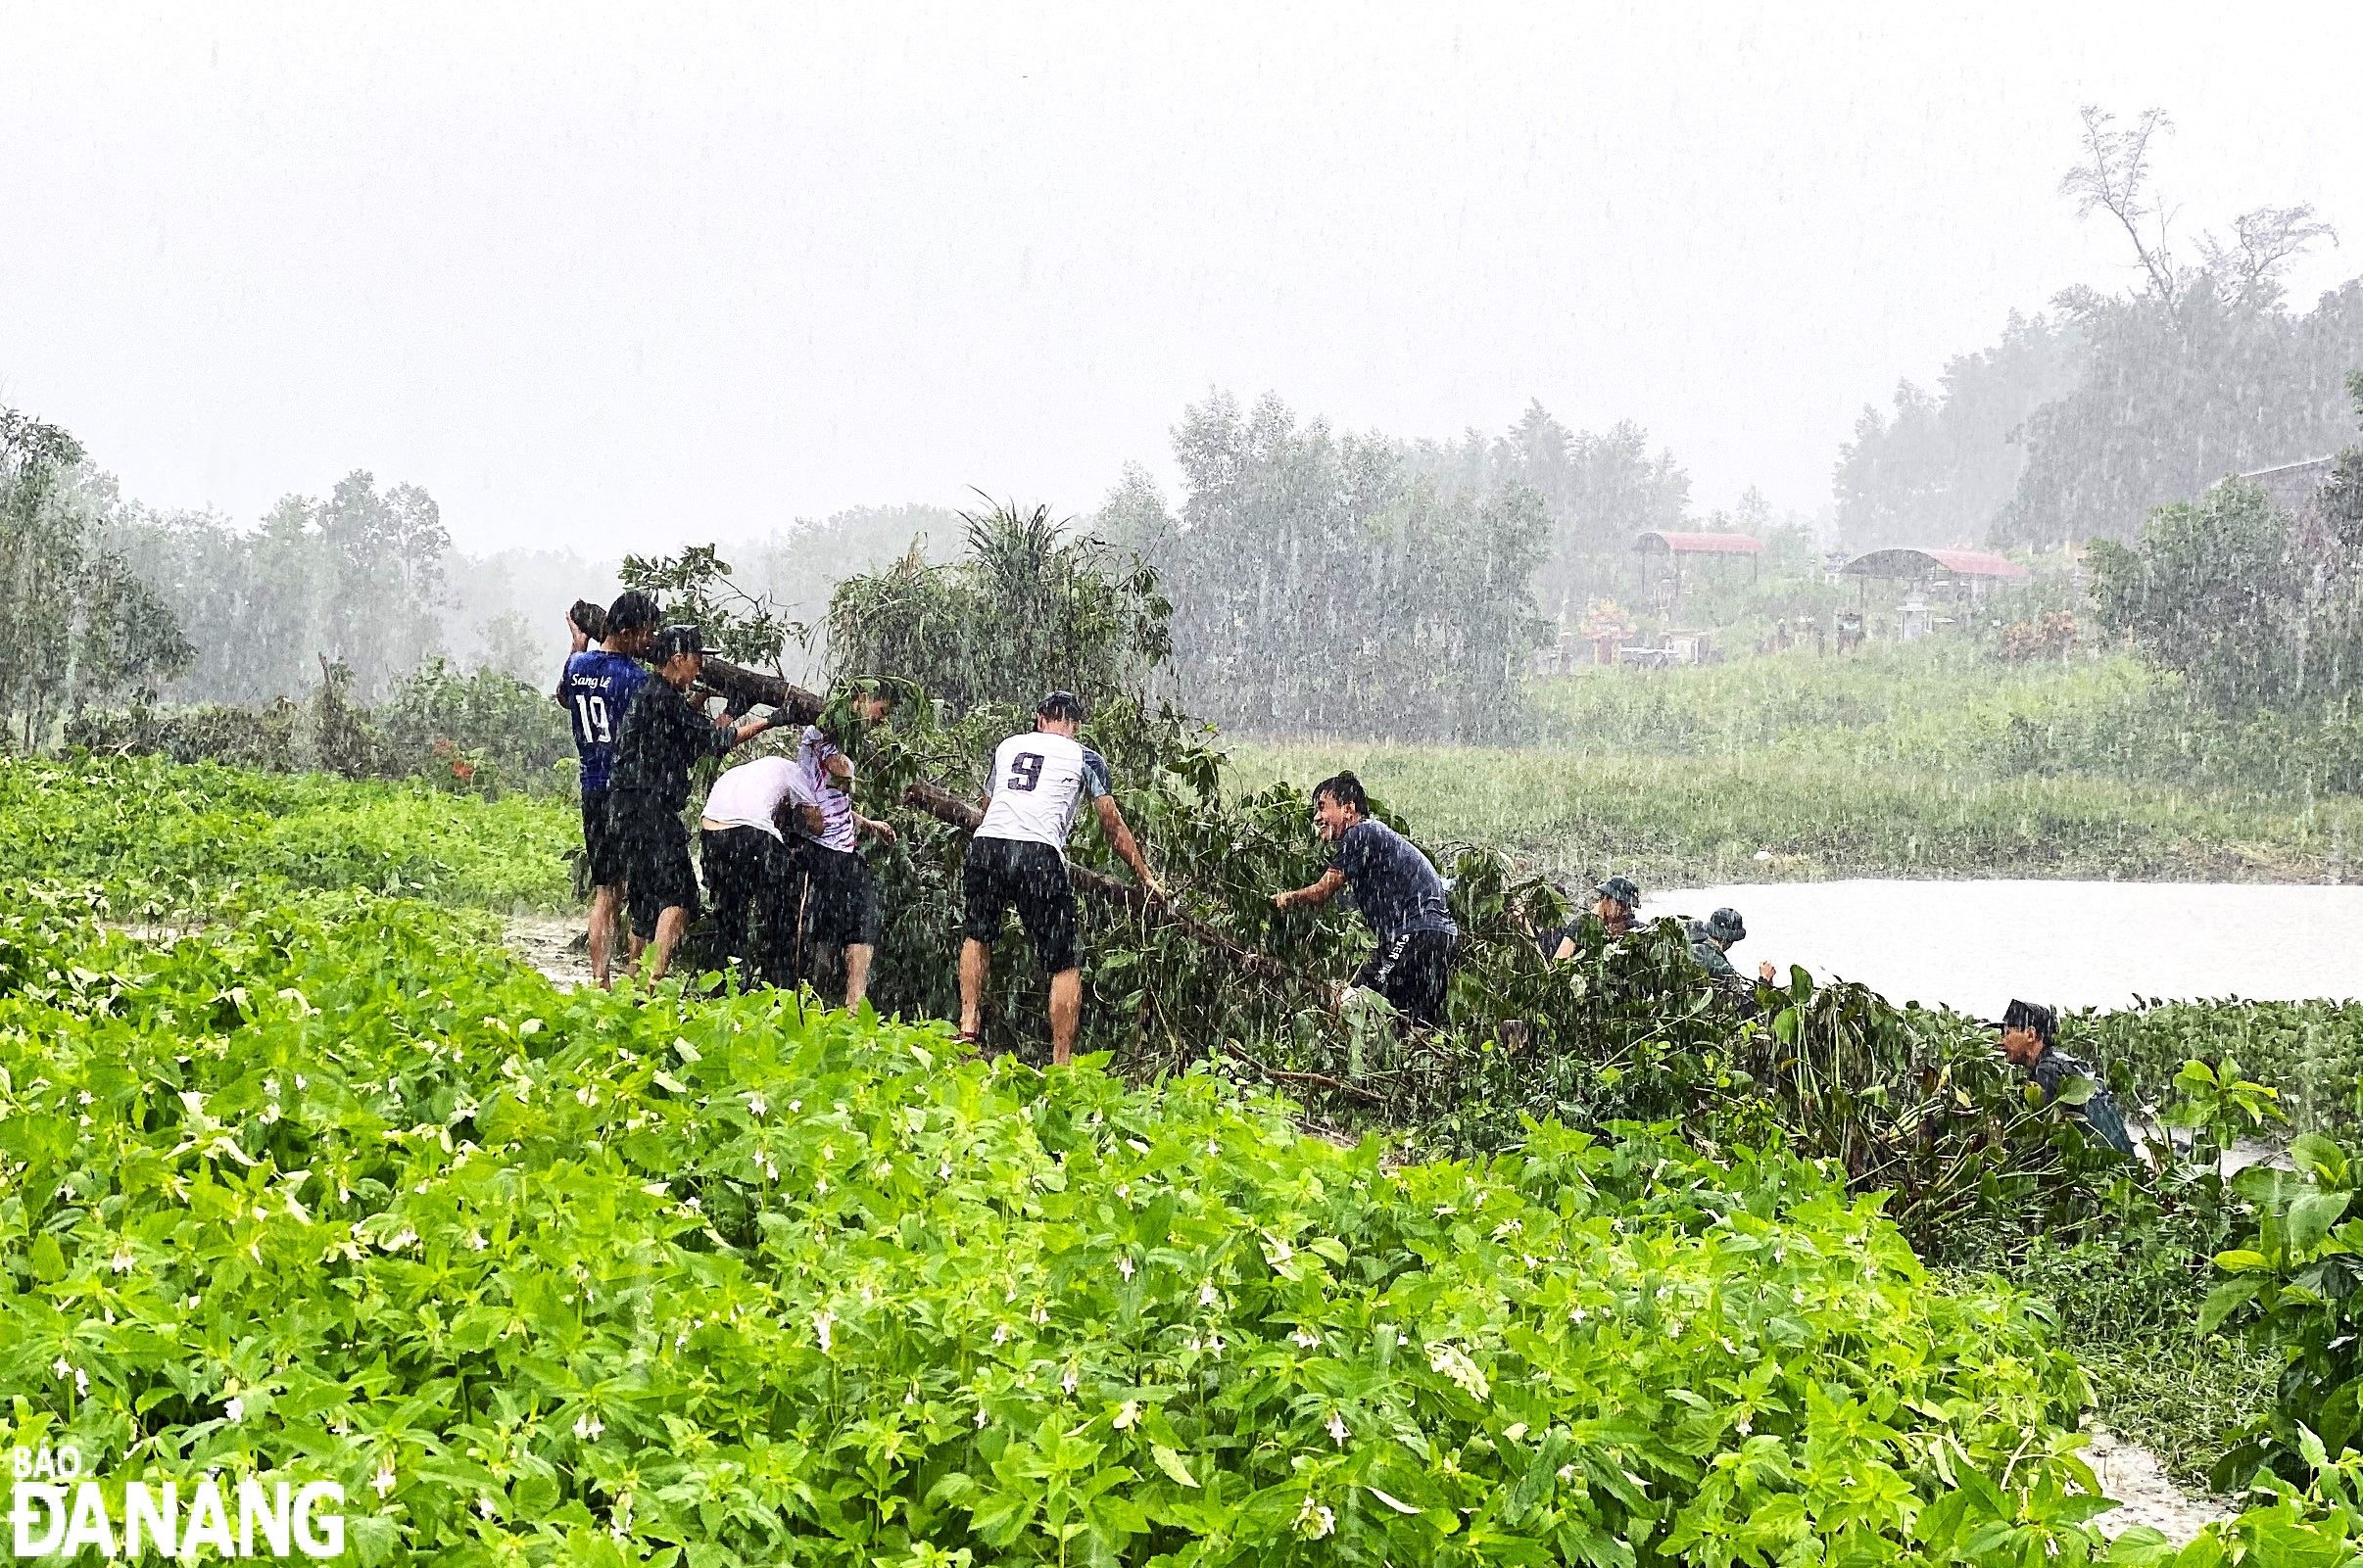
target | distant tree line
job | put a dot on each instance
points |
(2075, 424)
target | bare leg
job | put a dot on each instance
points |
(857, 974)
(602, 932)
(976, 968)
(1066, 1012)
(669, 928)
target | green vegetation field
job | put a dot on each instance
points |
(326, 1184)
(1920, 761)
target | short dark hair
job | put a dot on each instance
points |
(2032, 1016)
(633, 611)
(1060, 707)
(1345, 790)
(589, 619)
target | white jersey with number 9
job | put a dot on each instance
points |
(1037, 780)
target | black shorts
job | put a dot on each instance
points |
(842, 908)
(598, 842)
(1002, 872)
(653, 848)
(1413, 971)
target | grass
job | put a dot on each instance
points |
(1909, 761)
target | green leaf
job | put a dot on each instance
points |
(1172, 1464)
(48, 1260)
(2225, 1300)
(2311, 1217)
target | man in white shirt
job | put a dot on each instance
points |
(756, 817)
(1018, 855)
(841, 904)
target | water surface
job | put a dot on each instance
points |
(1973, 945)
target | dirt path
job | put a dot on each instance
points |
(2148, 1494)
(554, 944)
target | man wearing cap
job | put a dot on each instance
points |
(757, 818)
(1710, 943)
(596, 690)
(662, 735)
(1614, 904)
(2029, 1042)
(1018, 855)
(1399, 894)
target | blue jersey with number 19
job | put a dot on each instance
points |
(1037, 780)
(598, 687)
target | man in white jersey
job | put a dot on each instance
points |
(841, 905)
(756, 818)
(1018, 855)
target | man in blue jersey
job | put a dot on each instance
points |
(1399, 894)
(1018, 855)
(596, 690)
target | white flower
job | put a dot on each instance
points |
(981, 1419)
(383, 1481)
(62, 1366)
(1069, 1381)
(1453, 1364)
(944, 1172)
(1124, 1266)
(87, 1098)
(692, 1206)
(1124, 1192)
(1207, 1295)
(123, 1260)
(795, 1106)
(1042, 1315)
(587, 1428)
(756, 1104)
(1745, 1425)
(1315, 1519)
(1214, 1149)
(300, 1083)
(81, 1385)
(235, 1408)
(1337, 1429)
(1126, 1416)
(1305, 1339)
(484, 1506)
(476, 1242)
(1001, 1333)
(822, 1321)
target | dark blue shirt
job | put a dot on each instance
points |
(1393, 886)
(597, 689)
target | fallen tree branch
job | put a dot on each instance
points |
(744, 688)
(1320, 1081)
(946, 807)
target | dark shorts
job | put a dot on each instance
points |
(842, 908)
(1002, 872)
(652, 847)
(1413, 971)
(599, 843)
(755, 882)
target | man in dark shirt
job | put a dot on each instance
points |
(2029, 1042)
(1400, 896)
(648, 789)
(1710, 941)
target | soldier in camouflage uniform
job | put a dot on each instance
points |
(1710, 943)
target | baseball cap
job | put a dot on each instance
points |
(1622, 889)
(676, 640)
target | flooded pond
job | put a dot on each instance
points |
(1973, 945)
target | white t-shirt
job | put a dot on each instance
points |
(1037, 779)
(749, 794)
(812, 753)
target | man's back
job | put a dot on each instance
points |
(597, 689)
(1394, 886)
(1037, 779)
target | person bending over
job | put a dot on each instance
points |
(759, 816)
(1614, 904)
(2030, 1042)
(1018, 855)
(1399, 894)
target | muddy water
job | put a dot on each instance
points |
(1973, 945)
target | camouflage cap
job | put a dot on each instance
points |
(1623, 889)
(1725, 926)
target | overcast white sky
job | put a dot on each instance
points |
(600, 276)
